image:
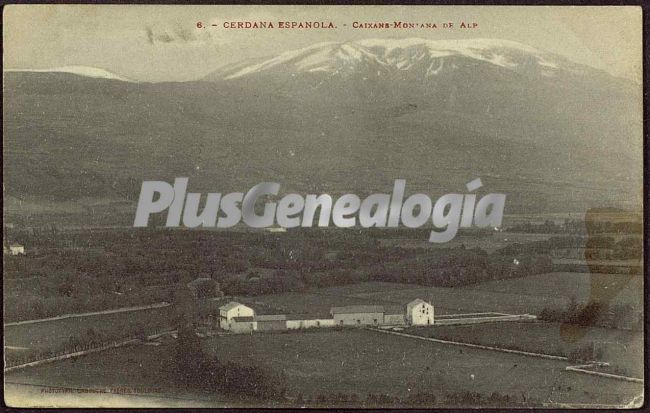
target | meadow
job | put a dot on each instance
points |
(133, 367)
(566, 284)
(318, 302)
(349, 361)
(622, 349)
(57, 333)
(362, 361)
(523, 295)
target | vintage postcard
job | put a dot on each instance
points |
(323, 206)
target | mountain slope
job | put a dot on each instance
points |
(382, 56)
(338, 117)
(86, 71)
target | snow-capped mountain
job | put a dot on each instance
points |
(385, 57)
(86, 71)
(350, 116)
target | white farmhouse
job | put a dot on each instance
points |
(231, 310)
(419, 313)
(15, 249)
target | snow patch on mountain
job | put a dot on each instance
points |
(87, 71)
(403, 54)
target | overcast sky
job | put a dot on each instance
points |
(154, 43)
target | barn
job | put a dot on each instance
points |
(358, 315)
(419, 313)
(14, 249)
(271, 322)
(394, 315)
(302, 322)
(242, 324)
(231, 310)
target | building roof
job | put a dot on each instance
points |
(270, 317)
(230, 306)
(415, 302)
(310, 316)
(394, 309)
(355, 309)
(243, 319)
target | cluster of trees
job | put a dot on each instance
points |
(194, 369)
(546, 227)
(125, 267)
(281, 281)
(591, 225)
(595, 314)
(254, 283)
(606, 248)
(543, 246)
(472, 267)
(456, 267)
(597, 247)
(594, 226)
(423, 233)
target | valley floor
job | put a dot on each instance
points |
(350, 361)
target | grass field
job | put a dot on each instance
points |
(319, 302)
(374, 286)
(54, 334)
(137, 366)
(361, 362)
(621, 348)
(347, 361)
(458, 299)
(311, 304)
(516, 296)
(566, 284)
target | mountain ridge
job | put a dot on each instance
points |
(569, 141)
(480, 49)
(401, 54)
(79, 70)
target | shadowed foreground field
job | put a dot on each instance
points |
(55, 334)
(362, 362)
(621, 348)
(347, 361)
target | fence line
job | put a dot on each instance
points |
(89, 314)
(578, 369)
(70, 355)
(487, 319)
(85, 349)
(479, 346)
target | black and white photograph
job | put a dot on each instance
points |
(323, 206)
